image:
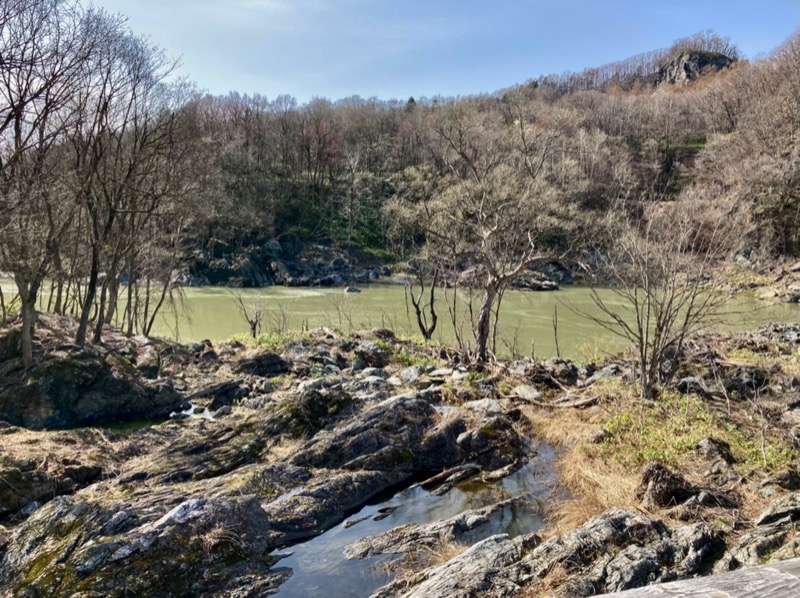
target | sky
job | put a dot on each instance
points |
(394, 49)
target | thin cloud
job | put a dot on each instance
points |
(266, 5)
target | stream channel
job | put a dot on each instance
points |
(319, 567)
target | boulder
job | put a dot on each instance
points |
(66, 389)
(752, 548)
(410, 375)
(689, 66)
(373, 354)
(195, 546)
(24, 487)
(661, 487)
(415, 537)
(10, 343)
(787, 507)
(263, 364)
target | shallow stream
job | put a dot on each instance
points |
(320, 569)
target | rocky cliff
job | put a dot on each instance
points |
(690, 65)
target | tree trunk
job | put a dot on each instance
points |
(28, 289)
(91, 291)
(101, 312)
(28, 318)
(483, 325)
(149, 323)
(113, 298)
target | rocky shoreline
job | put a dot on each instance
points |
(269, 446)
(317, 265)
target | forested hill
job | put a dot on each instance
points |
(690, 120)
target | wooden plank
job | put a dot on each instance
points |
(780, 580)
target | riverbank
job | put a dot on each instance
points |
(311, 265)
(271, 445)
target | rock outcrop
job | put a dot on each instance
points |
(201, 508)
(73, 387)
(690, 65)
(615, 551)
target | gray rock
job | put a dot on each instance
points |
(264, 364)
(149, 548)
(788, 480)
(440, 373)
(223, 411)
(527, 392)
(615, 551)
(478, 443)
(312, 384)
(661, 487)
(786, 507)
(379, 372)
(372, 354)
(485, 407)
(410, 375)
(149, 362)
(612, 370)
(562, 370)
(753, 547)
(487, 569)
(692, 385)
(371, 388)
(273, 247)
(713, 449)
(84, 388)
(415, 537)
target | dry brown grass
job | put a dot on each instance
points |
(51, 451)
(221, 536)
(595, 482)
(285, 447)
(602, 475)
(406, 568)
(548, 586)
(597, 486)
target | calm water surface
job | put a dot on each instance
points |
(320, 569)
(526, 323)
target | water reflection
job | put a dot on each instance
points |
(320, 569)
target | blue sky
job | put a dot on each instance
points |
(402, 48)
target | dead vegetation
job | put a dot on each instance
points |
(406, 569)
(51, 452)
(730, 439)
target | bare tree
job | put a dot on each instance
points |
(127, 130)
(252, 314)
(498, 204)
(425, 307)
(44, 45)
(660, 268)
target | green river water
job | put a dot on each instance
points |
(526, 322)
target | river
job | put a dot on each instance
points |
(526, 323)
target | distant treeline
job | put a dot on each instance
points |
(638, 71)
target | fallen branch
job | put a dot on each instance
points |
(577, 404)
(442, 477)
